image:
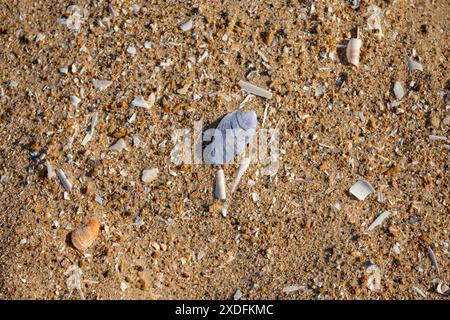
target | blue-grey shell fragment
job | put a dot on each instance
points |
(230, 138)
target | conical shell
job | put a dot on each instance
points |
(84, 237)
(353, 51)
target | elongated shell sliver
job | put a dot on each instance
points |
(63, 179)
(353, 51)
(257, 91)
(219, 188)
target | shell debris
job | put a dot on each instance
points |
(219, 186)
(101, 84)
(353, 50)
(373, 273)
(140, 102)
(90, 132)
(398, 90)
(83, 237)
(414, 65)
(67, 185)
(361, 189)
(149, 175)
(379, 220)
(118, 146)
(257, 91)
(186, 26)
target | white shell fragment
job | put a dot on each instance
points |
(219, 185)
(101, 84)
(398, 90)
(149, 175)
(90, 132)
(414, 65)
(186, 26)
(293, 288)
(63, 179)
(373, 273)
(237, 295)
(353, 51)
(131, 50)
(375, 14)
(118, 146)
(74, 100)
(379, 220)
(50, 171)
(441, 287)
(257, 91)
(361, 189)
(243, 166)
(433, 259)
(231, 137)
(140, 102)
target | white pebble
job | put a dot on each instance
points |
(148, 175)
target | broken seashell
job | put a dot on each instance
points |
(373, 273)
(231, 137)
(140, 102)
(83, 237)
(361, 189)
(219, 188)
(398, 90)
(243, 166)
(63, 179)
(50, 171)
(74, 100)
(90, 132)
(101, 84)
(379, 220)
(118, 146)
(414, 65)
(257, 91)
(353, 51)
(441, 287)
(186, 26)
(148, 175)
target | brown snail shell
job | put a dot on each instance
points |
(83, 237)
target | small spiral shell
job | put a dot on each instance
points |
(83, 237)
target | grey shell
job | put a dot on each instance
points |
(231, 137)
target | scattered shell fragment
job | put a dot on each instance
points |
(243, 166)
(140, 102)
(90, 132)
(118, 146)
(361, 189)
(63, 179)
(293, 288)
(419, 291)
(257, 91)
(149, 175)
(353, 51)
(398, 90)
(83, 237)
(433, 259)
(373, 273)
(101, 84)
(219, 185)
(73, 281)
(50, 171)
(375, 14)
(437, 138)
(379, 220)
(186, 26)
(131, 50)
(237, 295)
(74, 100)
(414, 65)
(441, 287)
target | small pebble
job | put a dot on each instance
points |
(148, 175)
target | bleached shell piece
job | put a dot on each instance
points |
(118, 146)
(373, 283)
(257, 91)
(101, 84)
(186, 26)
(379, 220)
(131, 50)
(140, 102)
(353, 51)
(398, 90)
(67, 185)
(231, 136)
(219, 185)
(74, 100)
(414, 65)
(50, 171)
(149, 175)
(83, 237)
(441, 287)
(90, 132)
(293, 288)
(361, 189)
(243, 166)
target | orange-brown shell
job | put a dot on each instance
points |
(84, 237)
